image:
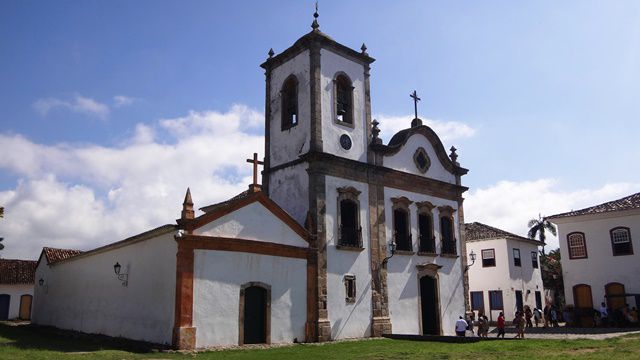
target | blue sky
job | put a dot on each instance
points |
(542, 99)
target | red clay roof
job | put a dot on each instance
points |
(626, 203)
(17, 271)
(478, 231)
(55, 255)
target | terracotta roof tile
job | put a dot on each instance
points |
(626, 203)
(477, 231)
(54, 255)
(17, 271)
(223, 204)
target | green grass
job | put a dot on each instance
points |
(30, 342)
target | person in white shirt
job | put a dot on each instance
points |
(461, 326)
(604, 315)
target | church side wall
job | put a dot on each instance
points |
(218, 277)
(331, 64)
(600, 267)
(402, 274)
(84, 294)
(289, 188)
(403, 160)
(505, 276)
(348, 320)
(248, 223)
(15, 291)
(287, 145)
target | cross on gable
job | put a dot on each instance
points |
(415, 98)
(254, 187)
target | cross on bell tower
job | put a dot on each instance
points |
(255, 187)
(416, 121)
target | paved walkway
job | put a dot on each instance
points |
(563, 332)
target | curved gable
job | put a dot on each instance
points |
(402, 153)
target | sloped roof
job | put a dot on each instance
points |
(626, 203)
(17, 271)
(226, 203)
(476, 231)
(54, 255)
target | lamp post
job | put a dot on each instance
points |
(392, 249)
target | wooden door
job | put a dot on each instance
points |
(584, 302)
(5, 299)
(615, 296)
(429, 306)
(255, 315)
(25, 307)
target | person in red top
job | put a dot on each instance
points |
(501, 325)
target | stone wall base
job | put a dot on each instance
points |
(324, 330)
(380, 326)
(184, 338)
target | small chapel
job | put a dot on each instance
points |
(345, 237)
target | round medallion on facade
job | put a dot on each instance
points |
(421, 159)
(345, 141)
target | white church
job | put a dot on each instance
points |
(346, 237)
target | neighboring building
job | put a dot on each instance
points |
(16, 288)
(506, 274)
(597, 249)
(248, 271)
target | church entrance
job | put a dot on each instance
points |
(255, 322)
(429, 306)
(4, 306)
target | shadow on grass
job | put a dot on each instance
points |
(34, 337)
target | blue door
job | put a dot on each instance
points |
(4, 306)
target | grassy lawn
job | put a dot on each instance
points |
(27, 342)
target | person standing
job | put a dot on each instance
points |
(547, 315)
(537, 315)
(461, 327)
(528, 315)
(519, 323)
(501, 324)
(604, 314)
(554, 317)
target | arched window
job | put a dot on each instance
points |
(289, 96)
(621, 241)
(402, 224)
(425, 227)
(577, 245)
(447, 234)
(349, 229)
(343, 102)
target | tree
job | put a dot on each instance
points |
(538, 227)
(1, 216)
(551, 269)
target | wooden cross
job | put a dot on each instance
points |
(415, 98)
(255, 163)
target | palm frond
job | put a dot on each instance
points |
(532, 232)
(532, 222)
(550, 227)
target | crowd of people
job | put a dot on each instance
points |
(547, 317)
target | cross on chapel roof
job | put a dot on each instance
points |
(255, 187)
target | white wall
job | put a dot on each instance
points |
(218, 276)
(348, 320)
(402, 274)
(289, 144)
(15, 291)
(84, 294)
(505, 276)
(601, 267)
(331, 64)
(249, 223)
(403, 160)
(289, 188)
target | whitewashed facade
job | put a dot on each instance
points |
(506, 275)
(598, 246)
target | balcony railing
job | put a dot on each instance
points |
(350, 236)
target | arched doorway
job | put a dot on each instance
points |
(25, 307)
(615, 296)
(583, 302)
(5, 299)
(429, 305)
(255, 313)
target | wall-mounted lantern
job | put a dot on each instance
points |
(122, 277)
(392, 249)
(472, 257)
(41, 282)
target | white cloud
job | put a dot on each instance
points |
(122, 100)
(509, 205)
(79, 104)
(83, 196)
(446, 130)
